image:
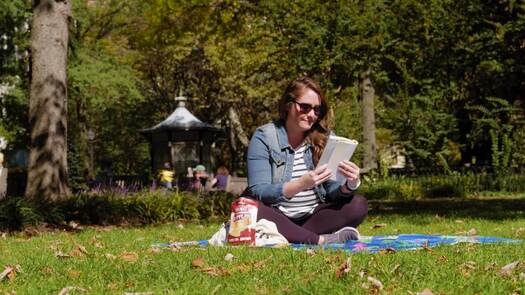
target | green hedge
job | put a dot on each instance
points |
(112, 208)
(437, 186)
(159, 206)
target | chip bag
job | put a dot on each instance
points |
(242, 222)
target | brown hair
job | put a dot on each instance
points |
(222, 171)
(318, 134)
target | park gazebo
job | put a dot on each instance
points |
(182, 140)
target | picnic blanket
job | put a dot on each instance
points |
(374, 244)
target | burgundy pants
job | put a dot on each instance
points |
(326, 218)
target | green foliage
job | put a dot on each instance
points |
(438, 186)
(14, 65)
(18, 213)
(76, 170)
(114, 208)
(447, 74)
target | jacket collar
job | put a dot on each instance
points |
(282, 136)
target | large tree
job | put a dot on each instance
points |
(47, 167)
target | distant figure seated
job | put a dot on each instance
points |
(200, 177)
(166, 176)
(220, 181)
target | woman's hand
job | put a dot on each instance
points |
(309, 180)
(351, 172)
(316, 177)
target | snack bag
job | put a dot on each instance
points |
(242, 222)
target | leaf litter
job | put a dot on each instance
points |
(66, 290)
(10, 272)
(200, 265)
(344, 268)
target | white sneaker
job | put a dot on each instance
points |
(347, 233)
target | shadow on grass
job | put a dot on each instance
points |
(494, 208)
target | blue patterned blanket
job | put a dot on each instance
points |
(374, 244)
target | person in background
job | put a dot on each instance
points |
(166, 176)
(200, 177)
(221, 179)
(300, 198)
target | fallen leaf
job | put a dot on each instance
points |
(76, 252)
(74, 225)
(362, 273)
(216, 289)
(310, 252)
(154, 250)
(427, 249)
(395, 268)
(105, 228)
(197, 263)
(261, 263)
(378, 225)
(443, 259)
(427, 291)
(215, 271)
(66, 290)
(129, 256)
(490, 266)
(467, 267)
(244, 267)
(459, 221)
(110, 256)
(344, 268)
(180, 226)
(74, 274)
(472, 232)
(176, 249)
(507, 269)
(47, 270)
(138, 293)
(82, 249)
(95, 242)
(387, 251)
(8, 272)
(522, 276)
(60, 254)
(228, 257)
(375, 283)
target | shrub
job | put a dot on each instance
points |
(114, 208)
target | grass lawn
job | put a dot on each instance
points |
(115, 260)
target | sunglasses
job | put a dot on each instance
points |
(305, 108)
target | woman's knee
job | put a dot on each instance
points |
(360, 205)
(360, 201)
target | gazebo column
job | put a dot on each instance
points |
(201, 160)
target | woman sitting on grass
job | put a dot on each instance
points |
(299, 198)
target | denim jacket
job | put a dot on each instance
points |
(270, 165)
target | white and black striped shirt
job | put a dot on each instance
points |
(303, 202)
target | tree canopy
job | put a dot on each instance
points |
(449, 76)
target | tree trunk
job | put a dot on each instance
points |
(47, 167)
(367, 93)
(236, 135)
(237, 126)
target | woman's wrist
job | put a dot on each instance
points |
(352, 187)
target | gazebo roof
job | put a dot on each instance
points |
(181, 120)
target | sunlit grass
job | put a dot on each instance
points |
(113, 260)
